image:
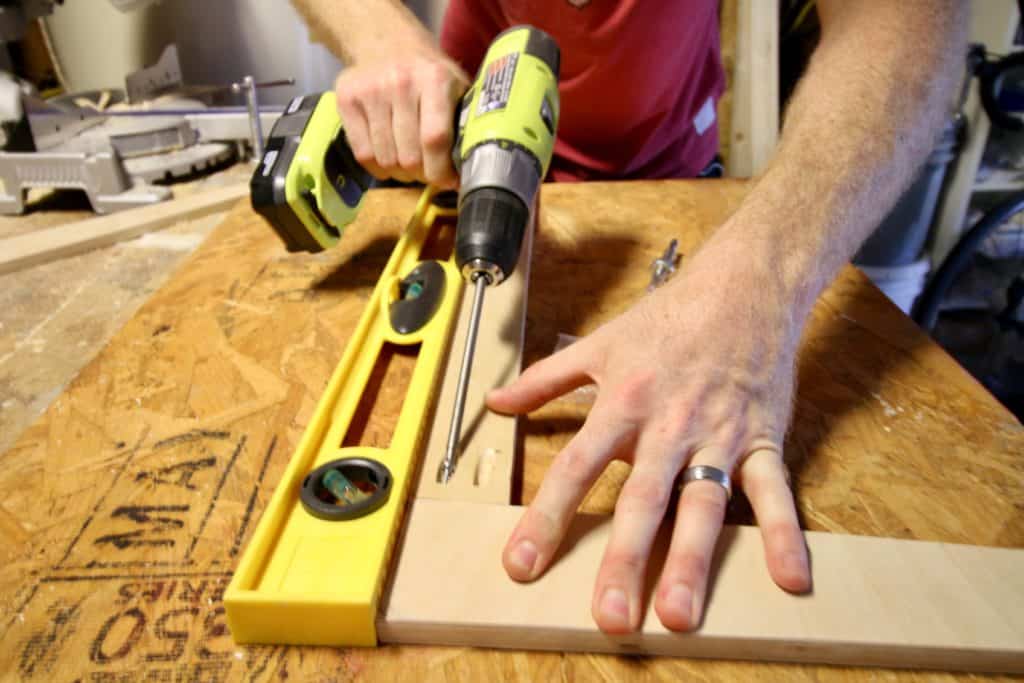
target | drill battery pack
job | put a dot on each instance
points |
(308, 173)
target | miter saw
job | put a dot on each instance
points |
(15, 15)
(115, 144)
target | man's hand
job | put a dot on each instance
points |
(397, 94)
(698, 373)
(399, 116)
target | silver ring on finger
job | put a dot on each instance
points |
(708, 473)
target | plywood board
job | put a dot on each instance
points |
(196, 406)
(876, 601)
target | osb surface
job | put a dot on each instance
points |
(125, 507)
(55, 317)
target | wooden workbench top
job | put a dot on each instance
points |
(124, 508)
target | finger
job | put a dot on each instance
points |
(763, 476)
(536, 538)
(543, 381)
(357, 132)
(618, 593)
(679, 600)
(437, 112)
(382, 135)
(405, 120)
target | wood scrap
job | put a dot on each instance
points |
(54, 243)
(754, 130)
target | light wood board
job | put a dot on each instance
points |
(53, 243)
(754, 130)
(487, 443)
(876, 601)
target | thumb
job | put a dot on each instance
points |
(541, 382)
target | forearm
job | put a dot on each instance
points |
(863, 118)
(358, 31)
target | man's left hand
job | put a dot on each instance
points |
(700, 372)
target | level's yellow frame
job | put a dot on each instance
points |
(307, 580)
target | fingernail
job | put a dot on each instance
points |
(794, 562)
(524, 557)
(614, 606)
(681, 598)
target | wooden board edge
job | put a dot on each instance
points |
(42, 246)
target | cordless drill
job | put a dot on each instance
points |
(309, 185)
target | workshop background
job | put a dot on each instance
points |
(162, 360)
(968, 293)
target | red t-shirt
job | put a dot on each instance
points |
(639, 79)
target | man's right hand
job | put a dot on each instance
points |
(399, 116)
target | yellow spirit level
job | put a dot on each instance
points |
(313, 571)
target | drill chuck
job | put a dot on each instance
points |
(490, 233)
(505, 138)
